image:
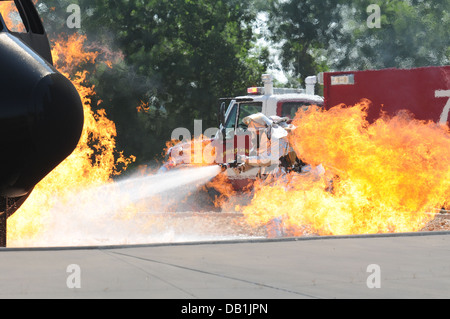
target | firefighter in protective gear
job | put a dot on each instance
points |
(269, 142)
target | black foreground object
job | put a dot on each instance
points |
(41, 114)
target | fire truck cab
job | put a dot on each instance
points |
(283, 102)
(270, 101)
(233, 138)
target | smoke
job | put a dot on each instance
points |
(118, 213)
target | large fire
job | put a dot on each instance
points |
(94, 162)
(389, 176)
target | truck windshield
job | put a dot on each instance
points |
(246, 109)
(288, 109)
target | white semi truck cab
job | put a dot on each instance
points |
(283, 102)
(270, 101)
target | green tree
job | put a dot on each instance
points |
(179, 57)
(315, 36)
(412, 33)
(303, 29)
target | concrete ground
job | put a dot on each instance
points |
(374, 266)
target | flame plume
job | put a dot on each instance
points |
(389, 176)
(93, 162)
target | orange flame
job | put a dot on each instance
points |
(143, 107)
(93, 162)
(389, 176)
(11, 16)
(224, 189)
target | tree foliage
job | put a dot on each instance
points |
(318, 35)
(180, 56)
(412, 33)
(303, 28)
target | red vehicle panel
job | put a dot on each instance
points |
(228, 150)
(423, 91)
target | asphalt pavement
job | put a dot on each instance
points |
(413, 265)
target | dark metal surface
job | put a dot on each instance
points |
(41, 114)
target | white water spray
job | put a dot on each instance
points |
(107, 215)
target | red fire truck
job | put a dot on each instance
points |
(232, 137)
